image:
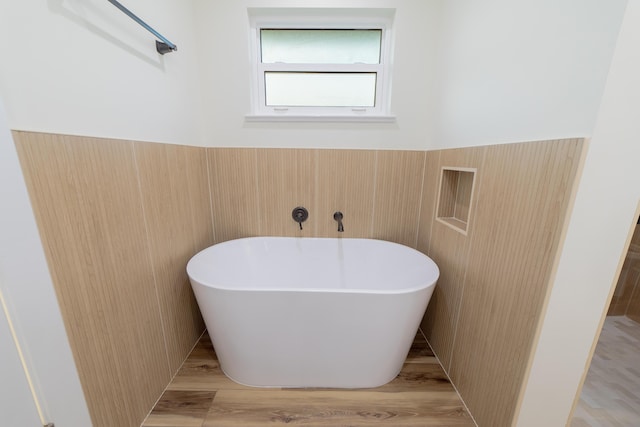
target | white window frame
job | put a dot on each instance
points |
(311, 18)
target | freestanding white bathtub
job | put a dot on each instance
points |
(312, 312)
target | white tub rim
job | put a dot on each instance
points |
(428, 283)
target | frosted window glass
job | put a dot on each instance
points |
(320, 89)
(321, 46)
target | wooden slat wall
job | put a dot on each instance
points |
(447, 193)
(118, 221)
(233, 177)
(429, 193)
(399, 180)
(450, 250)
(345, 183)
(493, 284)
(174, 204)
(286, 179)
(464, 195)
(255, 190)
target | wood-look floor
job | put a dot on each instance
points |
(200, 395)
(611, 393)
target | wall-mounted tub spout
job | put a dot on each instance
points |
(338, 217)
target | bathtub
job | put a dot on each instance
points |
(311, 312)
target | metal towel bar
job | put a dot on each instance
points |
(164, 46)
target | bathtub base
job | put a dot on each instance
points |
(312, 339)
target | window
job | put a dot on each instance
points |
(320, 64)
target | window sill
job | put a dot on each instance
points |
(320, 118)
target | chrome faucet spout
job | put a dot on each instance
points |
(338, 217)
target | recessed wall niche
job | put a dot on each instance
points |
(455, 196)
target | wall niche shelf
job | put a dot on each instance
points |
(455, 197)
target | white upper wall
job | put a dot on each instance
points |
(83, 67)
(32, 307)
(465, 72)
(514, 71)
(16, 402)
(223, 29)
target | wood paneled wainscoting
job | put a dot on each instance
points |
(120, 219)
(484, 314)
(379, 192)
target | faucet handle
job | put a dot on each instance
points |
(300, 215)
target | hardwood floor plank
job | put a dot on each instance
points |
(249, 408)
(180, 409)
(419, 376)
(420, 351)
(202, 375)
(421, 395)
(203, 349)
(413, 377)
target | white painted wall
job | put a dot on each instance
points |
(82, 67)
(31, 302)
(603, 215)
(17, 407)
(465, 72)
(223, 28)
(514, 71)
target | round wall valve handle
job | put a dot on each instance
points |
(300, 215)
